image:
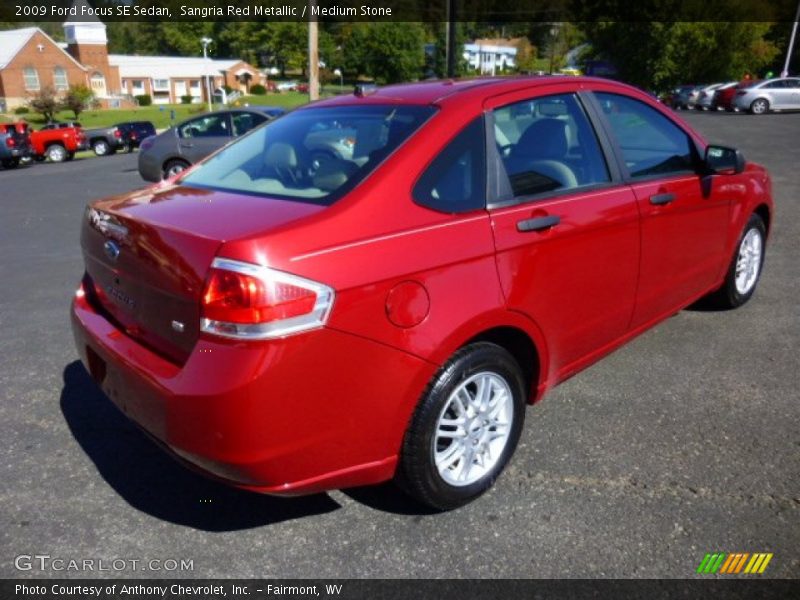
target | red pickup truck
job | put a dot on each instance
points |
(58, 144)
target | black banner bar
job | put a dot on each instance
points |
(348, 589)
(399, 10)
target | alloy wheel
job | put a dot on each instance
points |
(473, 429)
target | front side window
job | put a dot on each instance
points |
(31, 77)
(312, 154)
(60, 79)
(651, 143)
(456, 179)
(547, 144)
(215, 125)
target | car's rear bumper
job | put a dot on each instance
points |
(316, 411)
(149, 167)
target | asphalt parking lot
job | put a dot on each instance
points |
(685, 441)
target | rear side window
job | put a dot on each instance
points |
(312, 154)
(455, 181)
(651, 144)
(245, 121)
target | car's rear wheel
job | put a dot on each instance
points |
(173, 167)
(11, 163)
(56, 153)
(465, 428)
(760, 106)
(745, 268)
(101, 147)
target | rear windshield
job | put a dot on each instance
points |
(314, 154)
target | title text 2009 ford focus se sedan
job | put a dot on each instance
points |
(290, 321)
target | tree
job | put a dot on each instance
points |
(77, 99)
(394, 52)
(45, 103)
(438, 58)
(659, 55)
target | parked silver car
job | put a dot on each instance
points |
(770, 94)
(705, 100)
(175, 149)
(704, 94)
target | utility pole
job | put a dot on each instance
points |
(450, 40)
(313, 54)
(785, 72)
(206, 41)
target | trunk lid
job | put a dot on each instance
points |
(147, 255)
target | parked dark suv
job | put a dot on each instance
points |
(133, 132)
(175, 149)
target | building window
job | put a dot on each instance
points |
(137, 85)
(60, 79)
(161, 84)
(31, 76)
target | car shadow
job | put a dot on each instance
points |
(387, 497)
(706, 304)
(150, 481)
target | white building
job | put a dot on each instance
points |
(490, 56)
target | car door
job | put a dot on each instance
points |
(566, 226)
(778, 93)
(793, 85)
(684, 216)
(199, 137)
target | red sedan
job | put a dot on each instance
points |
(374, 286)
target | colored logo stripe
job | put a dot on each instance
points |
(733, 563)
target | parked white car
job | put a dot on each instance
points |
(770, 94)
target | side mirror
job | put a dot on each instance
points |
(721, 159)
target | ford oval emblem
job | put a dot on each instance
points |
(111, 249)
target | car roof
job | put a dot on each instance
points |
(440, 90)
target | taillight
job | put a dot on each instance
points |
(11, 142)
(117, 133)
(246, 301)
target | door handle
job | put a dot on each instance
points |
(661, 199)
(187, 145)
(538, 223)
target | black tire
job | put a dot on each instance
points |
(11, 163)
(729, 296)
(101, 148)
(759, 106)
(56, 153)
(173, 167)
(417, 472)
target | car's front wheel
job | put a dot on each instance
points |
(745, 268)
(465, 428)
(760, 106)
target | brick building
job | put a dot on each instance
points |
(31, 60)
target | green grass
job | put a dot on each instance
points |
(158, 115)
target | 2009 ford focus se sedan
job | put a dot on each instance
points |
(288, 320)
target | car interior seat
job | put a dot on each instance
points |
(543, 148)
